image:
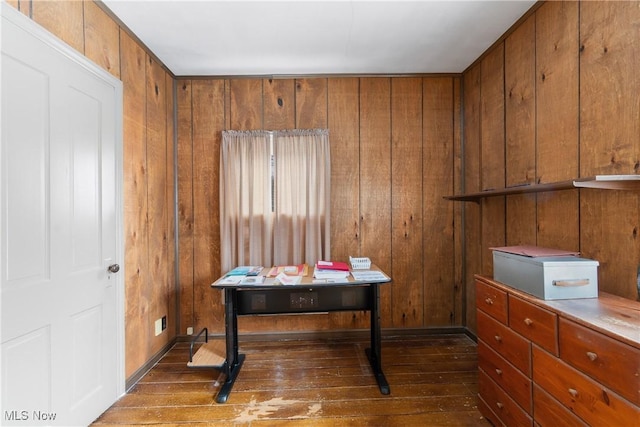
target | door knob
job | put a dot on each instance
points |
(113, 268)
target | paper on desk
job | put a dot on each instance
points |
(534, 251)
(231, 280)
(286, 279)
(368, 275)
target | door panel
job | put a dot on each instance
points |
(87, 351)
(25, 219)
(62, 312)
(84, 121)
(32, 349)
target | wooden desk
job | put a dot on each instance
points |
(310, 296)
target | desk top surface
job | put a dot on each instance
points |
(373, 275)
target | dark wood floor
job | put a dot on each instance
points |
(319, 382)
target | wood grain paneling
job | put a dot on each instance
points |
(407, 294)
(521, 220)
(493, 230)
(343, 120)
(459, 296)
(62, 18)
(610, 233)
(472, 213)
(583, 120)
(139, 330)
(279, 104)
(171, 290)
(472, 121)
(520, 131)
(311, 103)
(271, 324)
(492, 152)
(610, 139)
(208, 123)
(557, 122)
(185, 204)
(158, 209)
(438, 106)
(246, 104)
(558, 221)
(102, 38)
(520, 83)
(609, 87)
(492, 149)
(557, 91)
(375, 183)
(344, 128)
(360, 114)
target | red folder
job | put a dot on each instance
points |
(332, 265)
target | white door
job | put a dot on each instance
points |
(62, 316)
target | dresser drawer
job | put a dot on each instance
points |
(596, 405)
(484, 409)
(492, 301)
(510, 345)
(615, 364)
(505, 375)
(501, 404)
(551, 413)
(535, 323)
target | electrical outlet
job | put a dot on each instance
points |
(158, 326)
(190, 330)
(164, 322)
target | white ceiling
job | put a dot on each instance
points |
(237, 38)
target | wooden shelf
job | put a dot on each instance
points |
(605, 182)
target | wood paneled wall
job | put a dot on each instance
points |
(557, 99)
(393, 145)
(148, 127)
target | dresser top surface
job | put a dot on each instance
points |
(609, 314)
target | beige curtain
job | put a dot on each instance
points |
(274, 197)
(246, 220)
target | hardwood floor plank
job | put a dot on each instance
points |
(286, 408)
(319, 382)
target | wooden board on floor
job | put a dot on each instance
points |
(210, 355)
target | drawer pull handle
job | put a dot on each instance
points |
(499, 371)
(528, 322)
(498, 338)
(571, 282)
(499, 405)
(573, 392)
(489, 301)
(592, 356)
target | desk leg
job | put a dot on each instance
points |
(233, 361)
(374, 353)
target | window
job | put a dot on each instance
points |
(274, 197)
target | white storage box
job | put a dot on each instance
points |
(549, 278)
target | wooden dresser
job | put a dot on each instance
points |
(557, 363)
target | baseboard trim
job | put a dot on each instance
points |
(471, 335)
(341, 333)
(137, 375)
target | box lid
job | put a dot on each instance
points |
(534, 251)
(550, 261)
